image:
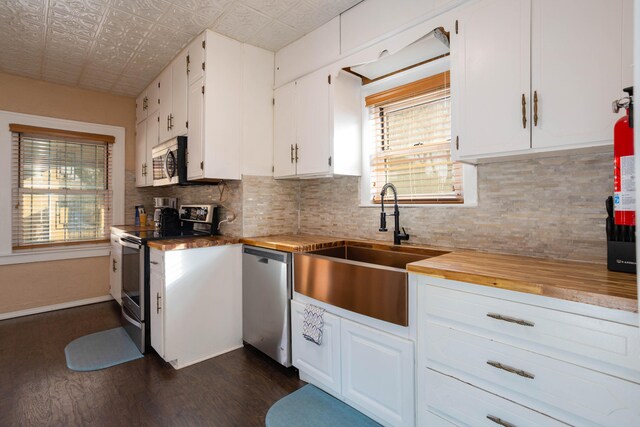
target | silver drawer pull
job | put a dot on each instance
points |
(500, 421)
(153, 262)
(510, 319)
(510, 369)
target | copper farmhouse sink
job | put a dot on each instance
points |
(363, 278)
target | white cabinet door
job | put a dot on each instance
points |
(153, 94)
(313, 129)
(115, 272)
(378, 373)
(196, 59)
(195, 143)
(319, 364)
(284, 131)
(179, 90)
(152, 141)
(576, 70)
(141, 106)
(165, 106)
(490, 76)
(157, 308)
(141, 154)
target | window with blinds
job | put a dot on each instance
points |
(61, 187)
(412, 133)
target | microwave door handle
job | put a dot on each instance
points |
(165, 165)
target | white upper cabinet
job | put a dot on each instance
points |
(173, 98)
(147, 102)
(490, 77)
(146, 139)
(576, 70)
(215, 108)
(534, 76)
(317, 126)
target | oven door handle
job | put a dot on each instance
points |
(131, 320)
(130, 244)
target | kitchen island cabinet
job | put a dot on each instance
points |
(196, 303)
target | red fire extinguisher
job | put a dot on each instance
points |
(624, 198)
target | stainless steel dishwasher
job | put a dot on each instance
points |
(266, 296)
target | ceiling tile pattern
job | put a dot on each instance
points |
(119, 46)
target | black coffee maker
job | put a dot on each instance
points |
(169, 220)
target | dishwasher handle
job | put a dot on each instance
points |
(265, 256)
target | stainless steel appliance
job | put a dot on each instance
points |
(169, 162)
(266, 302)
(162, 202)
(190, 221)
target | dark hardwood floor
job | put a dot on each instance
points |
(37, 388)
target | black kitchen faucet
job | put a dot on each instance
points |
(397, 235)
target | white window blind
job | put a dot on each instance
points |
(412, 134)
(61, 187)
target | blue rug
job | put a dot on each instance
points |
(101, 350)
(312, 407)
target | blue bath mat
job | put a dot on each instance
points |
(101, 350)
(312, 407)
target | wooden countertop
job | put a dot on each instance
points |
(293, 242)
(569, 280)
(191, 242)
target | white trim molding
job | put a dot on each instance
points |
(54, 307)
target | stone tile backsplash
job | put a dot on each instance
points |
(548, 207)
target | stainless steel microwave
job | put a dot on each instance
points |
(169, 162)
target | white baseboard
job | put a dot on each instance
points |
(36, 310)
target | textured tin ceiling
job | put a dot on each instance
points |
(119, 46)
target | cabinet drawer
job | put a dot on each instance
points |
(320, 363)
(465, 405)
(562, 390)
(598, 344)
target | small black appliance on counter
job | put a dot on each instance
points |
(621, 243)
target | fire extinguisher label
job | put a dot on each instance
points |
(625, 199)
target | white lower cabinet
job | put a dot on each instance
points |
(115, 271)
(377, 373)
(318, 364)
(196, 303)
(371, 370)
(491, 356)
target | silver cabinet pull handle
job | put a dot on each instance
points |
(535, 108)
(510, 319)
(114, 268)
(153, 262)
(291, 153)
(158, 297)
(500, 421)
(510, 369)
(297, 153)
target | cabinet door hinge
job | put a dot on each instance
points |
(203, 44)
(201, 165)
(329, 78)
(187, 122)
(456, 26)
(273, 101)
(158, 119)
(273, 169)
(202, 89)
(329, 160)
(158, 86)
(188, 62)
(203, 65)
(457, 143)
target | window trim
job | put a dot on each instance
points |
(88, 249)
(470, 175)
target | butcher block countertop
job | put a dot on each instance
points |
(191, 242)
(569, 280)
(293, 242)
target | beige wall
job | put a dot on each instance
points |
(32, 285)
